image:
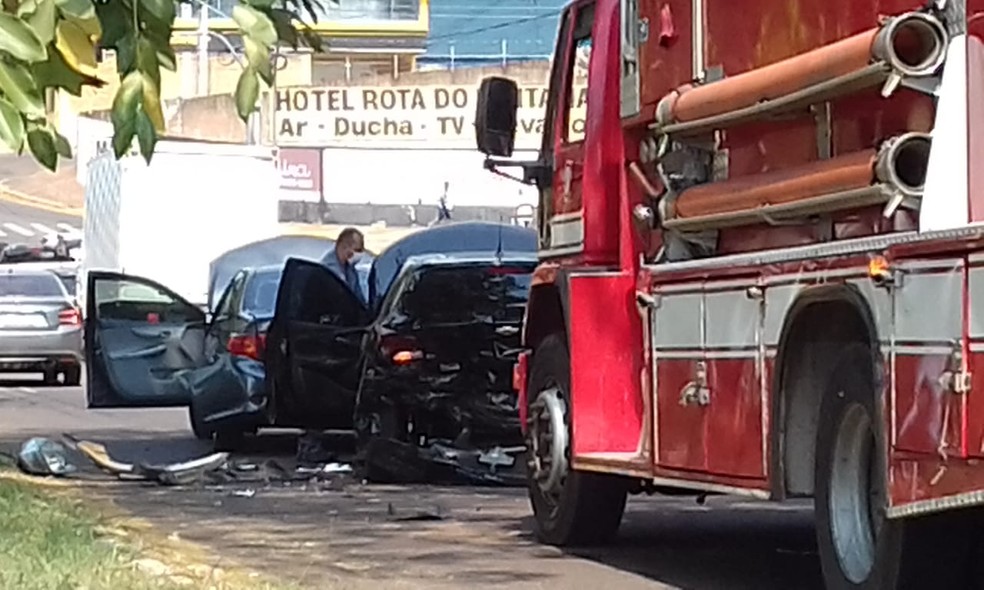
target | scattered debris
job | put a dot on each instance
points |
(311, 449)
(182, 473)
(441, 462)
(337, 468)
(418, 515)
(329, 469)
(98, 454)
(42, 456)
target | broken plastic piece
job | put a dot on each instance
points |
(42, 456)
(183, 473)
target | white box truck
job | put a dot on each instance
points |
(168, 220)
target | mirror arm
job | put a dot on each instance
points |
(533, 170)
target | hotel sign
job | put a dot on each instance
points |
(402, 116)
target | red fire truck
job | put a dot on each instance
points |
(762, 243)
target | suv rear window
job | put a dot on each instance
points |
(30, 285)
(461, 294)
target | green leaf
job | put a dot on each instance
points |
(263, 5)
(312, 39)
(167, 58)
(42, 145)
(55, 73)
(126, 106)
(26, 7)
(147, 61)
(20, 89)
(162, 10)
(116, 22)
(247, 91)
(62, 146)
(146, 136)
(11, 125)
(19, 40)
(255, 24)
(282, 22)
(81, 9)
(126, 54)
(42, 20)
(258, 57)
(151, 102)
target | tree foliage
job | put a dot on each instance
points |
(52, 45)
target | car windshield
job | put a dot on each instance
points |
(30, 285)
(261, 293)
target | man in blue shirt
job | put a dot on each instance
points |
(339, 259)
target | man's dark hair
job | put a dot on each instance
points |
(349, 235)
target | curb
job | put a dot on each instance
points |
(19, 198)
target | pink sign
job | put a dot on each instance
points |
(300, 169)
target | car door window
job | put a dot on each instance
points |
(123, 299)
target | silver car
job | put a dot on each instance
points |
(40, 325)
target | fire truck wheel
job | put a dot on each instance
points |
(859, 547)
(570, 507)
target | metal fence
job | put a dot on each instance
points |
(369, 10)
(452, 59)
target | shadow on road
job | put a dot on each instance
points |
(725, 544)
(449, 537)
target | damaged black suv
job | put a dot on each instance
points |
(425, 369)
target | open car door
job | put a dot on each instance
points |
(140, 341)
(314, 347)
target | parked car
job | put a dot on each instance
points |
(40, 325)
(230, 397)
(148, 347)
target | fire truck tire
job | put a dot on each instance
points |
(859, 547)
(580, 508)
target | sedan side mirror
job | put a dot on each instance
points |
(495, 116)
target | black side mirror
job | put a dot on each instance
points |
(495, 116)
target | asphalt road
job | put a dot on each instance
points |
(22, 223)
(355, 536)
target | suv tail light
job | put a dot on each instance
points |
(247, 345)
(69, 317)
(400, 350)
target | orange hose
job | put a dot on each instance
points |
(774, 80)
(843, 173)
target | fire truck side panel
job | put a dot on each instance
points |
(975, 107)
(733, 323)
(709, 378)
(664, 61)
(606, 375)
(928, 329)
(975, 350)
(676, 350)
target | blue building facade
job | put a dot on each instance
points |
(467, 33)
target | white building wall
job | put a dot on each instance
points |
(417, 177)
